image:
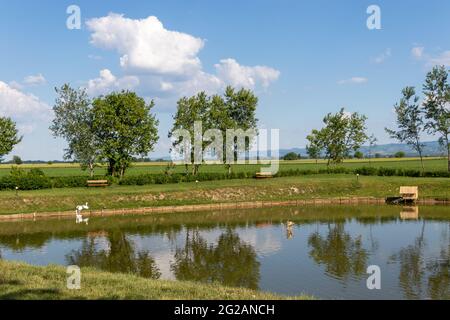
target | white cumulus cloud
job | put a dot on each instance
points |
(107, 82)
(163, 63)
(17, 104)
(145, 45)
(231, 72)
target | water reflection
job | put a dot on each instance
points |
(409, 213)
(231, 261)
(420, 278)
(323, 251)
(119, 256)
(342, 254)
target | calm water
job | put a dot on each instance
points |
(325, 252)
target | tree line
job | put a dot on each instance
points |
(120, 127)
(344, 133)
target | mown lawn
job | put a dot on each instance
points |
(54, 170)
(286, 188)
(22, 281)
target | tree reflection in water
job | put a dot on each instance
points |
(420, 279)
(342, 255)
(121, 256)
(230, 262)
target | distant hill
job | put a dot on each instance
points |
(432, 148)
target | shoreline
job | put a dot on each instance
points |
(210, 207)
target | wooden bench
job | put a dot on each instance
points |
(409, 193)
(97, 183)
(263, 175)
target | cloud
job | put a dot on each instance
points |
(417, 52)
(164, 63)
(383, 56)
(441, 59)
(94, 57)
(231, 72)
(353, 80)
(34, 80)
(107, 82)
(19, 105)
(145, 45)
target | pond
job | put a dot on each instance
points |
(322, 251)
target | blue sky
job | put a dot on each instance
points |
(302, 58)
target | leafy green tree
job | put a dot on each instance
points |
(74, 122)
(358, 155)
(314, 146)
(342, 134)
(436, 105)
(124, 128)
(291, 156)
(399, 154)
(241, 114)
(189, 111)
(17, 160)
(234, 110)
(9, 136)
(409, 122)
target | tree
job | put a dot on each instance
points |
(342, 134)
(124, 128)
(399, 154)
(189, 111)
(235, 110)
(358, 155)
(9, 136)
(17, 160)
(436, 106)
(73, 121)
(409, 122)
(291, 156)
(314, 147)
(240, 114)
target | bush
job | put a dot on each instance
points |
(366, 171)
(399, 154)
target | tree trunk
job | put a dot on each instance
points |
(448, 157)
(421, 162)
(91, 169)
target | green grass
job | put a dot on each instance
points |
(55, 170)
(286, 188)
(22, 281)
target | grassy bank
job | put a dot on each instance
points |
(287, 188)
(22, 281)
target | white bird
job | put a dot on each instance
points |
(79, 217)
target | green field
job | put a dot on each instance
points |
(286, 188)
(54, 170)
(19, 281)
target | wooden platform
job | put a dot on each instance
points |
(263, 175)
